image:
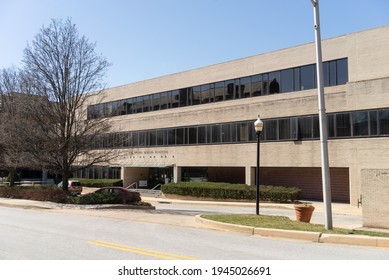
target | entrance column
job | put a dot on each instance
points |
(250, 175)
(176, 173)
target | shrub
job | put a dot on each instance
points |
(40, 194)
(100, 183)
(232, 191)
(107, 198)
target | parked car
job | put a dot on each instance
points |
(113, 190)
(124, 195)
(74, 186)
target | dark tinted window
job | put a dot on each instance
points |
(333, 73)
(342, 74)
(256, 85)
(245, 87)
(373, 123)
(360, 122)
(196, 95)
(274, 82)
(305, 127)
(205, 93)
(307, 76)
(270, 128)
(343, 125)
(287, 80)
(284, 131)
(383, 116)
(219, 91)
(229, 89)
(175, 98)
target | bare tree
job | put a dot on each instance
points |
(63, 69)
(14, 144)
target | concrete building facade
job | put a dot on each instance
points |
(198, 124)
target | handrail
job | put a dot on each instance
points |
(157, 186)
(132, 186)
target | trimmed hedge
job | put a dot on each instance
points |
(57, 195)
(107, 198)
(52, 194)
(99, 183)
(232, 191)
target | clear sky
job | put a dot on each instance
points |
(151, 38)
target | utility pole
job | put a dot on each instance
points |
(325, 170)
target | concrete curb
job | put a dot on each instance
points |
(317, 237)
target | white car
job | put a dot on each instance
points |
(74, 186)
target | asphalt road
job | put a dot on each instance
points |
(123, 235)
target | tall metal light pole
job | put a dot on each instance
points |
(258, 126)
(325, 170)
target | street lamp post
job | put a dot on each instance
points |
(258, 126)
(322, 121)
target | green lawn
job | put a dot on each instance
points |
(280, 222)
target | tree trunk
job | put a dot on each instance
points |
(65, 182)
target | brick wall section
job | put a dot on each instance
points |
(375, 198)
(308, 179)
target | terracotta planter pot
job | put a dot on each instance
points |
(303, 212)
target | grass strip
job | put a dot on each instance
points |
(281, 222)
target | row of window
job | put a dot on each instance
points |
(340, 125)
(293, 79)
(98, 172)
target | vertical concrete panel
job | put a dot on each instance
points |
(375, 198)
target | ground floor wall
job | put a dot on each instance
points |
(291, 163)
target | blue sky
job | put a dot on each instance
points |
(150, 38)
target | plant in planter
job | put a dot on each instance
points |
(303, 211)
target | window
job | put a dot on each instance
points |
(343, 125)
(296, 76)
(274, 80)
(226, 133)
(192, 135)
(205, 93)
(271, 129)
(265, 84)
(161, 137)
(342, 73)
(196, 95)
(326, 74)
(245, 87)
(180, 136)
(175, 98)
(171, 136)
(256, 85)
(146, 103)
(332, 77)
(229, 89)
(216, 133)
(383, 116)
(165, 101)
(242, 132)
(219, 91)
(287, 80)
(201, 135)
(305, 128)
(138, 106)
(129, 104)
(373, 123)
(360, 123)
(156, 101)
(153, 137)
(183, 97)
(307, 77)
(284, 127)
(330, 124)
